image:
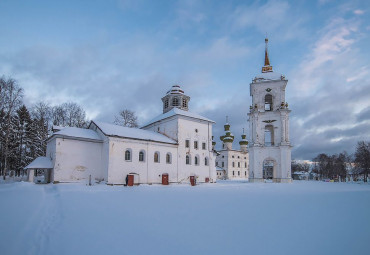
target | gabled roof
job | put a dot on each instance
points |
(73, 132)
(40, 163)
(177, 111)
(133, 133)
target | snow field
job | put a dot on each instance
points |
(223, 218)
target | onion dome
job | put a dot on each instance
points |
(228, 137)
(244, 140)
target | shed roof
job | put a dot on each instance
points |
(40, 163)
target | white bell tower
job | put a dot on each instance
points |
(269, 147)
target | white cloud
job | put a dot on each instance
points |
(358, 12)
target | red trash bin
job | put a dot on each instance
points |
(164, 179)
(192, 180)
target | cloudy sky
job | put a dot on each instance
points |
(115, 54)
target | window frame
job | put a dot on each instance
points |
(158, 159)
(142, 152)
(204, 146)
(129, 153)
(168, 158)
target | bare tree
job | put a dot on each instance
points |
(126, 118)
(11, 99)
(69, 114)
(362, 157)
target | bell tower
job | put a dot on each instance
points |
(269, 147)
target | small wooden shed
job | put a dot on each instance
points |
(39, 170)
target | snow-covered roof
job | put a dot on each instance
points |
(177, 111)
(56, 128)
(135, 133)
(74, 132)
(269, 76)
(40, 163)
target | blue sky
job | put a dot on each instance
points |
(111, 55)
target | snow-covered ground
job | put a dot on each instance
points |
(223, 218)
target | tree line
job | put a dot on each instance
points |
(24, 130)
(339, 166)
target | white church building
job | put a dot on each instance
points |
(176, 145)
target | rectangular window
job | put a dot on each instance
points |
(196, 145)
(187, 143)
(238, 164)
(203, 146)
(238, 173)
(223, 164)
(233, 164)
(245, 164)
(233, 173)
(245, 173)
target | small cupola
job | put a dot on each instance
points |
(244, 142)
(228, 138)
(175, 97)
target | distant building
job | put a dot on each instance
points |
(231, 163)
(176, 144)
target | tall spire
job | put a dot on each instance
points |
(266, 68)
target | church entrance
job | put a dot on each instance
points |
(268, 169)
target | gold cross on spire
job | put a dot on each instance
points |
(266, 68)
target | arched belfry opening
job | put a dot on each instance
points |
(268, 102)
(175, 98)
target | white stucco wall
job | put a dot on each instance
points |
(75, 160)
(201, 131)
(148, 171)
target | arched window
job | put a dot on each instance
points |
(196, 161)
(128, 155)
(141, 156)
(166, 103)
(175, 102)
(156, 157)
(268, 102)
(168, 158)
(206, 161)
(269, 135)
(187, 159)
